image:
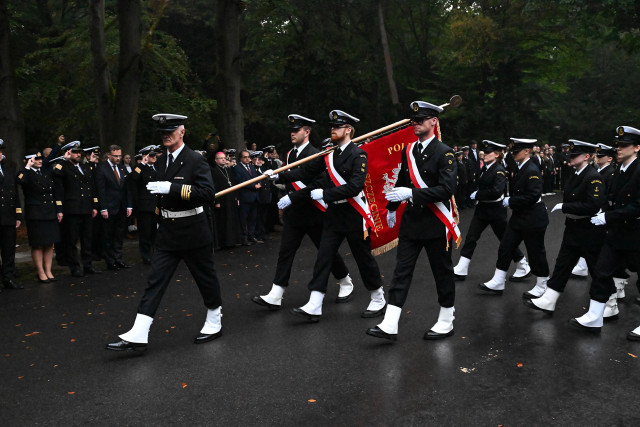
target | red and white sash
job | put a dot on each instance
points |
(358, 204)
(439, 209)
(299, 185)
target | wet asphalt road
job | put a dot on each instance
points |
(506, 365)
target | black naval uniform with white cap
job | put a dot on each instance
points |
(10, 219)
(341, 220)
(76, 193)
(528, 223)
(301, 217)
(420, 227)
(622, 220)
(584, 195)
(184, 234)
(489, 211)
(144, 203)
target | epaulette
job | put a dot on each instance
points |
(449, 154)
(137, 170)
(58, 166)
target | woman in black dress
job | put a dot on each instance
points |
(41, 212)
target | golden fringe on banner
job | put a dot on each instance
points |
(385, 248)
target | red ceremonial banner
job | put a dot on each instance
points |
(383, 166)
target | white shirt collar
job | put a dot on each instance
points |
(624, 168)
(600, 169)
(343, 147)
(110, 164)
(425, 143)
(578, 172)
(175, 154)
(488, 165)
(302, 147)
(522, 164)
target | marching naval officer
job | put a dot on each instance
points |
(528, 222)
(346, 217)
(302, 216)
(184, 185)
(427, 180)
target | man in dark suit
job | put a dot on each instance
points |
(115, 206)
(185, 233)
(144, 203)
(341, 190)
(76, 193)
(248, 198)
(302, 216)
(427, 180)
(474, 162)
(528, 222)
(10, 219)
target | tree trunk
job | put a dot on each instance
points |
(227, 35)
(103, 86)
(129, 74)
(387, 56)
(11, 122)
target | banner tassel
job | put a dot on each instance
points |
(385, 248)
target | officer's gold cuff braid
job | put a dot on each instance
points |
(185, 193)
(18, 210)
(58, 203)
(95, 200)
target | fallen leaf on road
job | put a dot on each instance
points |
(184, 385)
(71, 392)
(311, 401)
(519, 364)
(632, 355)
(32, 333)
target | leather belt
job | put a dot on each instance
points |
(576, 217)
(182, 214)
(337, 202)
(492, 201)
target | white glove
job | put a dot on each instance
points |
(270, 174)
(284, 202)
(598, 219)
(473, 195)
(159, 187)
(391, 219)
(557, 207)
(505, 202)
(399, 194)
(316, 194)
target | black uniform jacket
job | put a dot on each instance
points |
(608, 174)
(302, 212)
(438, 170)
(352, 166)
(10, 210)
(191, 187)
(140, 176)
(491, 185)
(584, 196)
(39, 195)
(74, 191)
(527, 209)
(623, 225)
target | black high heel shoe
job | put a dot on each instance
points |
(52, 279)
(43, 281)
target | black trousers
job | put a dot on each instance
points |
(533, 239)
(248, 214)
(477, 227)
(441, 267)
(147, 227)
(8, 251)
(112, 237)
(290, 241)
(78, 227)
(573, 247)
(360, 248)
(610, 261)
(199, 261)
(262, 214)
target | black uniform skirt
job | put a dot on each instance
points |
(43, 233)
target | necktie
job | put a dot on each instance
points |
(115, 171)
(293, 156)
(249, 170)
(170, 160)
(38, 172)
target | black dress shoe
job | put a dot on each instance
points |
(431, 335)
(459, 278)
(578, 325)
(123, 345)
(248, 243)
(263, 303)
(528, 303)
(122, 264)
(379, 333)
(91, 270)
(313, 318)
(52, 279)
(345, 298)
(43, 281)
(373, 313)
(113, 267)
(528, 295)
(202, 338)
(489, 290)
(631, 336)
(519, 279)
(12, 284)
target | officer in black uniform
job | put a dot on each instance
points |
(489, 211)
(605, 166)
(76, 193)
(620, 248)
(463, 180)
(184, 185)
(41, 213)
(144, 203)
(420, 226)
(342, 220)
(10, 220)
(565, 168)
(528, 222)
(302, 216)
(585, 194)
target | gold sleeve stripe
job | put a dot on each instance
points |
(20, 176)
(58, 203)
(18, 210)
(95, 200)
(138, 170)
(185, 193)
